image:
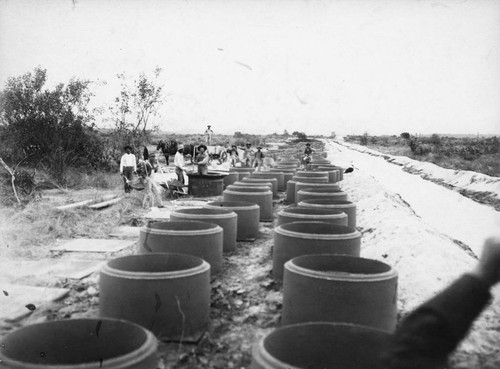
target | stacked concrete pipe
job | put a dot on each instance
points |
(303, 185)
(320, 345)
(242, 171)
(80, 344)
(261, 196)
(247, 228)
(295, 214)
(344, 289)
(333, 174)
(230, 178)
(287, 174)
(169, 294)
(254, 184)
(227, 219)
(304, 238)
(290, 186)
(279, 176)
(347, 207)
(187, 237)
(309, 193)
(273, 181)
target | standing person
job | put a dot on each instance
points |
(202, 160)
(162, 145)
(127, 167)
(258, 158)
(233, 154)
(145, 153)
(152, 191)
(208, 135)
(306, 159)
(248, 154)
(179, 163)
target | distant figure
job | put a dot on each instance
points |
(208, 135)
(128, 167)
(248, 154)
(152, 160)
(258, 158)
(308, 150)
(233, 154)
(307, 158)
(431, 332)
(152, 191)
(162, 145)
(202, 160)
(179, 163)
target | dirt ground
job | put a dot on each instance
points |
(245, 300)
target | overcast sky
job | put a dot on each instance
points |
(381, 67)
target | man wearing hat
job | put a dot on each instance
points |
(248, 154)
(258, 158)
(308, 150)
(179, 163)
(208, 134)
(127, 167)
(202, 160)
(233, 154)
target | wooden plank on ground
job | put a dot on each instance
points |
(93, 245)
(85, 202)
(105, 204)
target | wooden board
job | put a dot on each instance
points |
(93, 245)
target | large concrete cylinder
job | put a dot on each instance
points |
(261, 196)
(344, 289)
(273, 181)
(187, 237)
(276, 175)
(169, 294)
(319, 193)
(211, 184)
(254, 184)
(227, 219)
(331, 167)
(290, 186)
(296, 214)
(230, 178)
(306, 173)
(80, 344)
(304, 238)
(242, 169)
(247, 228)
(302, 185)
(321, 345)
(333, 174)
(347, 207)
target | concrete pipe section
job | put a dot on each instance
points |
(187, 237)
(344, 289)
(302, 185)
(296, 214)
(272, 181)
(225, 218)
(320, 193)
(230, 178)
(247, 227)
(347, 207)
(320, 345)
(303, 173)
(80, 344)
(332, 167)
(261, 196)
(279, 176)
(311, 238)
(242, 169)
(169, 294)
(211, 184)
(333, 174)
(254, 184)
(290, 186)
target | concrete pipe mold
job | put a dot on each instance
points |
(319, 193)
(311, 174)
(290, 186)
(273, 181)
(230, 178)
(200, 239)
(242, 169)
(225, 218)
(80, 344)
(344, 289)
(169, 294)
(321, 345)
(333, 174)
(347, 207)
(304, 238)
(254, 184)
(280, 178)
(261, 196)
(247, 228)
(302, 185)
(210, 184)
(296, 214)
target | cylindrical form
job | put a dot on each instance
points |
(261, 196)
(321, 345)
(302, 185)
(247, 228)
(230, 178)
(273, 181)
(276, 175)
(331, 167)
(225, 218)
(310, 238)
(333, 174)
(188, 237)
(344, 289)
(305, 173)
(253, 184)
(319, 193)
(347, 207)
(242, 169)
(169, 294)
(80, 344)
(296, 214)
(290, 186)
(210, 184)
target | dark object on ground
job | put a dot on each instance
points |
(349, 170)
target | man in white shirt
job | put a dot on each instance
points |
(179, 163)
(127, 167)
(208, 134)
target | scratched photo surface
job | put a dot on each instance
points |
(114, 115)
